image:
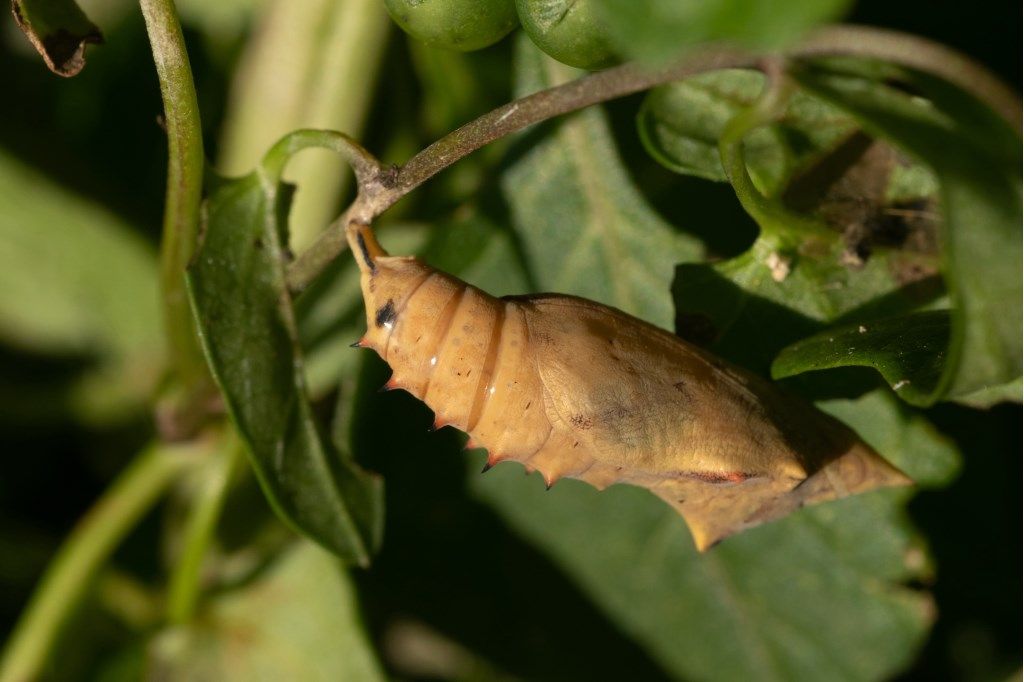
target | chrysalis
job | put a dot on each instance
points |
(570, 387)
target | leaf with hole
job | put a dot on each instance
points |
(977, 159)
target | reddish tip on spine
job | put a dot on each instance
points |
(361, 343)
(390, 385)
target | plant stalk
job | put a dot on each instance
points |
(184, 590)
(184, 188)
(90, 544)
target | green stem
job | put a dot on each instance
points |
(184, 187)
(86, 549)
(366, 167)
(183, 594)
(777, 223)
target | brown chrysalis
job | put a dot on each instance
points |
(570, 387)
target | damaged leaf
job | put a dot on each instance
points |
(975, 156)
(59, 30)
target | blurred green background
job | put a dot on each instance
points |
(447, 596)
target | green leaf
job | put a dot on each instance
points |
(909, 351)
(680, 125)
(247, 324)
(976, 158)
(76, 282)
(585, 229)
(815, 596)
(655, 30)
(299, 621)
(59, 30)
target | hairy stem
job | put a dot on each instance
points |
(86, 549)
(850, 41)
(184, 187)
(183, 594)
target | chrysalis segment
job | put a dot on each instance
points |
(461, 359)
(420, 329)
(570, 387)
(513, 423)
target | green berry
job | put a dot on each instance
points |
(455, 24)
(567, 30)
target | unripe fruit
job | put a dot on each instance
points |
(455, 24)
(567, 30)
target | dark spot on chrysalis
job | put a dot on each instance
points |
(365, 252)
(386, 314)
(581, 422)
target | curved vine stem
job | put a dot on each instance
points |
(775, 220)
(849, 41)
